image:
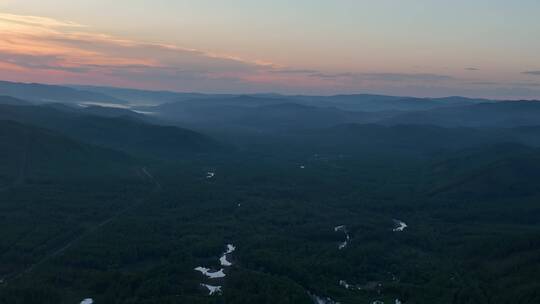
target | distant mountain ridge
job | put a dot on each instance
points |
(260, 113)
(42, 93)
(137, 97)
(8, 100)
(275, 112)
(147, 97)
(496, 114)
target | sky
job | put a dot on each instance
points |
(480, 48)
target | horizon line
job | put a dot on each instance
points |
(78, 86)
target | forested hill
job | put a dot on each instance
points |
(122, 133)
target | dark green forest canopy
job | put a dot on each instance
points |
(89, 208)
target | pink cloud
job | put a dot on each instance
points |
(39, 49)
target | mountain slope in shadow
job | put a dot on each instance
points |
(501, 170)
(30, 154)
(120, 133)
(41, 93)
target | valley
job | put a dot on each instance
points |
(110, 209)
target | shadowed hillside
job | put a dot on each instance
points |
(118, 133)
(30, 154)
(52, 93)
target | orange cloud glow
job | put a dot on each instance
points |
(40, 49)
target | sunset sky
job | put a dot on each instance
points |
(479, 48)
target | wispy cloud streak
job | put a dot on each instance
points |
(41, 49)
(41, 46)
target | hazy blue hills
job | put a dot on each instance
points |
(8, 100)
(35, 92)
(260, 113)
(343, 120)
(147, 97)
(359, 102)
(209, 103)
(113, 112)
(97, 110)
(496, 114)
(375, 103)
